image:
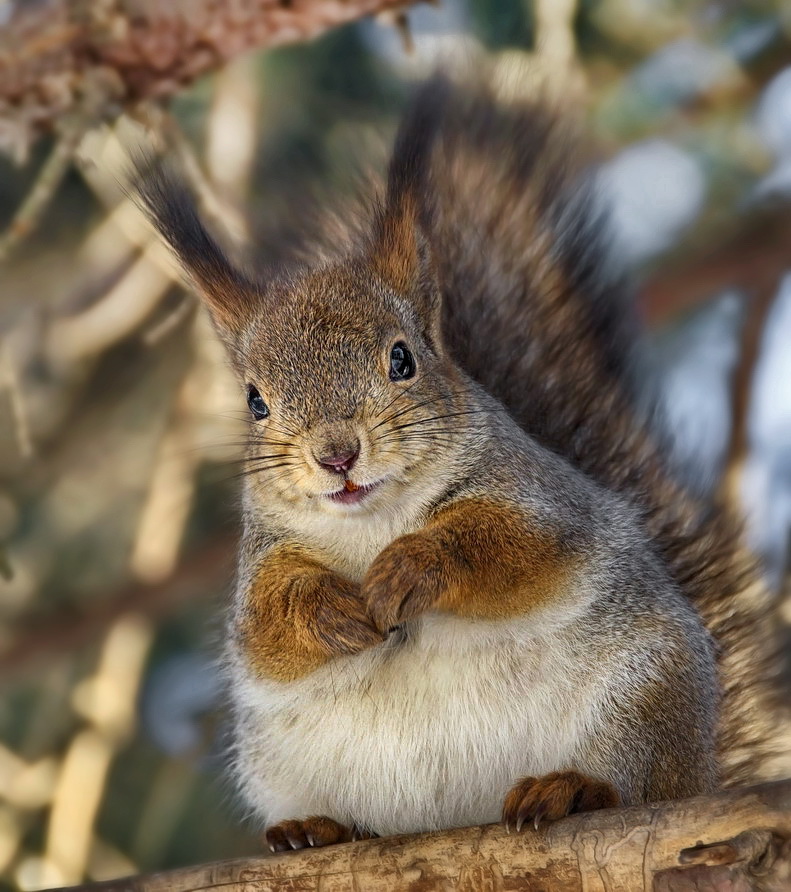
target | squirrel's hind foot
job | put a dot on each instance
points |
(554, 796)
(313, 832)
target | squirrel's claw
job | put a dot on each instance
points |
(296, 836)
(523, 814)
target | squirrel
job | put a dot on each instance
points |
(472, 586)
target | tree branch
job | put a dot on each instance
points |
(730, 841)
(48, 47)
(750, 253)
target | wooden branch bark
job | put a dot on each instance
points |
(731, 841)
(138, 49)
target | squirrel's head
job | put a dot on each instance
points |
(347, 384)
(350, 390)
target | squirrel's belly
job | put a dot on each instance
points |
(413, 737)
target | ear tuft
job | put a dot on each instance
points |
(171, 207)
(402, 251)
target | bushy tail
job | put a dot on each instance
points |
(536, 313)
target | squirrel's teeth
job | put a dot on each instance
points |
(351, 493)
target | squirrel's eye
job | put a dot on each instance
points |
(402, 363)
(256, 403)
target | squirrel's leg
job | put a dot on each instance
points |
(656, 740)
(296, 614)
(476, 558)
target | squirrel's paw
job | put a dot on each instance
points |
(403, 581)
(554, 796)
(342, 622)
(316, 832)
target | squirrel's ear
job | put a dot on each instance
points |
(171, 207)
(402, 253)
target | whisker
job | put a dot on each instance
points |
(424, 432)
(261, 462)
(284, 429)
(399, 395)
(417, 424)
(235, 444)
(247, 472)
(425, 444)
(269, 467)
(432, 437)
(232, 416)
(268, 442)
(405, 411)
(440, 418)
(270, 456)
(395, 399)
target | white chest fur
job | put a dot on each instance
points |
(425, 734)
(348, 545)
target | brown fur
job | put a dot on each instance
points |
(315, 832)
(230, 294)
(298, 615)
(554, 796)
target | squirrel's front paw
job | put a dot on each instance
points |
(342, 624)
(404, 580)
(554, 796)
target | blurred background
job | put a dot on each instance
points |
(121, 427)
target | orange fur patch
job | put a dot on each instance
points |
(298, 615)
(554, 796)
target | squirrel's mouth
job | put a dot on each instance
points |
(351, 493)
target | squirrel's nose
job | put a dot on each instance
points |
(340, 462)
